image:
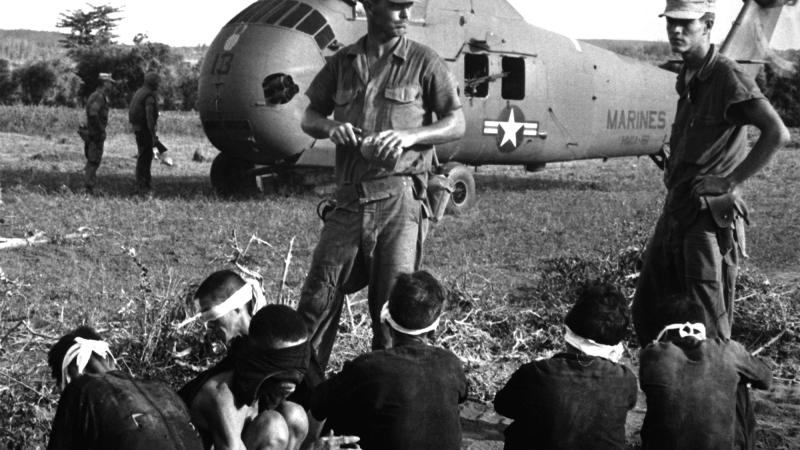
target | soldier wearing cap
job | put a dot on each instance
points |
(385, 89)
(143, 116)
(96, 122)
(700, 234)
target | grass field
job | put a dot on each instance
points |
(511, 263)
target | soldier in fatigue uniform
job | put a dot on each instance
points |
(698, 238)
(143, 116)
(96, 122)
(382, 93)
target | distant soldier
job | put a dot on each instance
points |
(697, 240)
(102, 407)
(143, 116)
(95, 135)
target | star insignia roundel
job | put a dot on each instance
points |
(511, 129)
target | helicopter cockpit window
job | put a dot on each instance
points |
(295, 16)
(514, 78)
(268, 7)
(476, 75)
(324, 37)
(274, 17)
(289, 14)
(312, 23)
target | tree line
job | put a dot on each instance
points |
(91, 49)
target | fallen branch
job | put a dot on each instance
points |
(36, 333)
(39, 238)
(770, 342)
(286, 263)
(350, 312)
(39, 393)
(2, 341)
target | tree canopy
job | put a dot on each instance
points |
(89, 28)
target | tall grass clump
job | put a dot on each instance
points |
(59, 120)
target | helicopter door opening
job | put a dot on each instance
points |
(513, 87)
(476, 75)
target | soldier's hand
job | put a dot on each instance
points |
(344, 134)
(390, 140)
(710, 185)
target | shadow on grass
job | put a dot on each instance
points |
(532, 182)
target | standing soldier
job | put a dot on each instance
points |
(697, 240)
(143, 116)
(96, 122)
(382, 90)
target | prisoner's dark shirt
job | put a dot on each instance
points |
(401, 91)
(707, 136)
(569, 402)
(403, 398)
(115, 411)
(691, 392)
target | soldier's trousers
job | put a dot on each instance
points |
(361, 245)
(700, 261)
(93, 150)
(144, 158)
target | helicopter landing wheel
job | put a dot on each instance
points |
(463, 196)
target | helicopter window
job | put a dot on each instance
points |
(513, 78)
(312, 23)
(476, 75)
(279, 88)
(295, 16)
(324, 37)
(280, 12)
(270, 6)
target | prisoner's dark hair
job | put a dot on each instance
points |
(416, 300)
(679, 308)
(600, 313)
(57, 352)
(274, 324)
(220, 285)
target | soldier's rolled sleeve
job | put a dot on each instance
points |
(322, 89)
(441, 89)
(740, 88)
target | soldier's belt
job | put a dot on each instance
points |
(373, 190)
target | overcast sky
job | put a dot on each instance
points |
(188, 23)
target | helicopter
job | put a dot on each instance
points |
(530, 96)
